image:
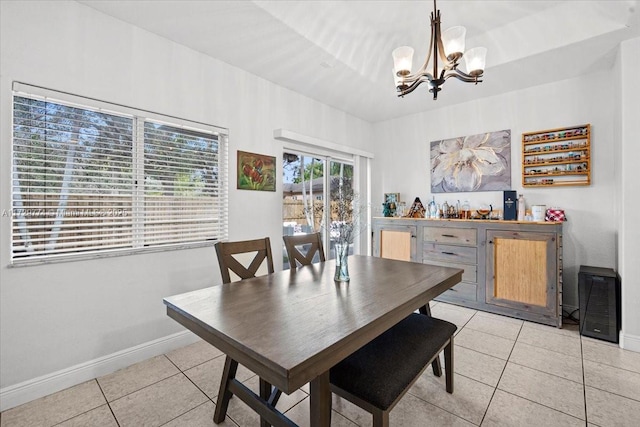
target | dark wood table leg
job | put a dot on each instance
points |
(265, 393)
(436, 365)
(320, 400)
(224, 395)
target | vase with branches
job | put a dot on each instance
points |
(346, 223)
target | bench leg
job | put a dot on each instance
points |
(448, 365)
(224, 395)
(435, 365)
(380, 418)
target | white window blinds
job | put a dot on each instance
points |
(89, 182)
(182, 186)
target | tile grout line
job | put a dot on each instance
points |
(189, 379)
(442, 409)
(611, 366)
(108, 404)
(615, 394)
(501, 374)
(542, 404)
(202, 391)
(584, 384)
(92, 409)
(538, 403)
(472, 379)
(147, 386)
(196, 386)
(486, 354)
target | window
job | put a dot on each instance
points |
(87, 181)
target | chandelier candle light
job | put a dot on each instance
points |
(445, 50)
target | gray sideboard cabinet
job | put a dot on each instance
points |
(510, 268)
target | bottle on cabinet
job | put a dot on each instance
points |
(521, 207)
(433, 209)
(466, 210)
(509, 205)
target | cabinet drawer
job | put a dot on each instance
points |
(469, 273)
(448, 253)
(462, 291)
(456, 236)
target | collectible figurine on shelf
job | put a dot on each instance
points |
(388, 209)
(416, 210)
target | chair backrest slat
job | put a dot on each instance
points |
(227, 262)
(314, 243)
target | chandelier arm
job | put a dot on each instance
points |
(439, 48)
(465, 78)
(423, 69)
(422, 77)
(457, 72)
(435, 27)
(407, 90)
(462, 73)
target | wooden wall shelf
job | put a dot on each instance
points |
(557, 157)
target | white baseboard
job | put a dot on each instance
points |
(35, 388)
(630, 342)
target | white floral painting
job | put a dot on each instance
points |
(472, 163)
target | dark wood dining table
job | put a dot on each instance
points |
(292, 326)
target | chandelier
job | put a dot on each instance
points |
(445, 50)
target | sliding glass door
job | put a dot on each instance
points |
(310, 192)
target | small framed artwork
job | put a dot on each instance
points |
(256, 172)
(392, 198)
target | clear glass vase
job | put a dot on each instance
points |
(342, 266)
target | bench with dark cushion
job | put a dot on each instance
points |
(376, 376)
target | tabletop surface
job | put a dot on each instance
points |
(291, 326)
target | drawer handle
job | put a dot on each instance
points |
(448, 253)
(449, 235)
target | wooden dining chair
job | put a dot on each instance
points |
(227, 252)
(303, 248)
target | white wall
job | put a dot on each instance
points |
(402, 159)
(629, 194)
(54, 317)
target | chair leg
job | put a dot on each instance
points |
(224, 395)
(435, 365)
(380, 418)
(448, 365)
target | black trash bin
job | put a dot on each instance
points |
(599, 294)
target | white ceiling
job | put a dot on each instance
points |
(339, 52)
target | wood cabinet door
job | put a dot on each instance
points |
(522, 271)
(396, 242)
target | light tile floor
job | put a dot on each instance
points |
(508, 373)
